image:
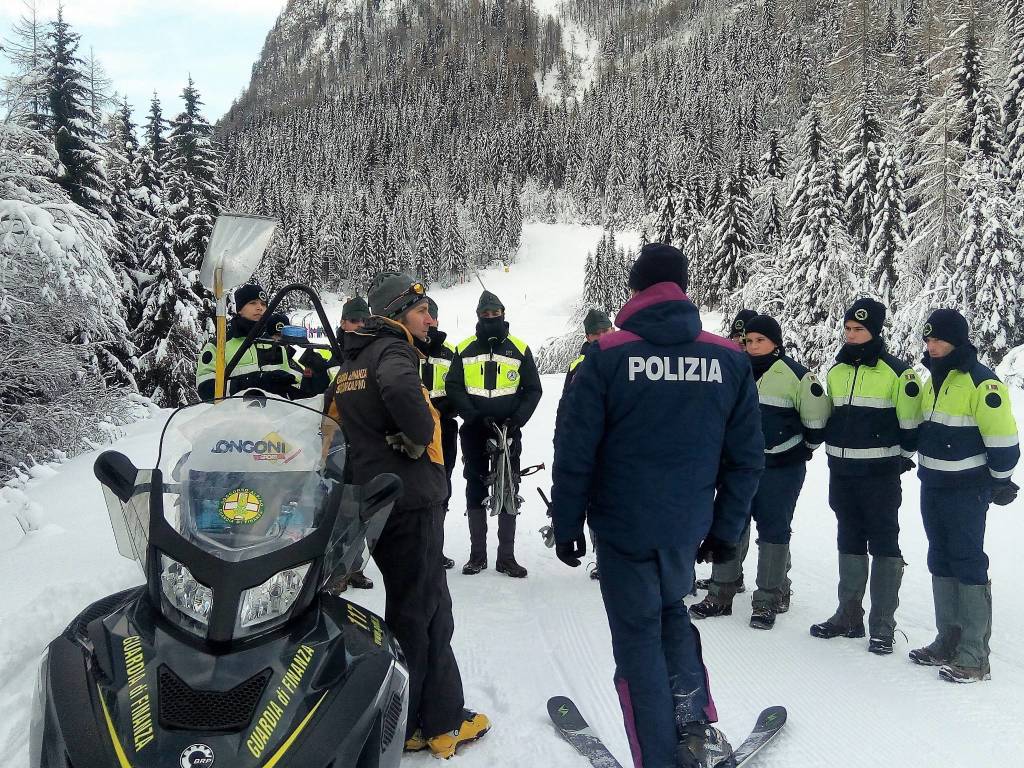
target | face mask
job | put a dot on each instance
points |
(491, 327)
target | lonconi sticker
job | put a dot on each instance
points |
(242, 507)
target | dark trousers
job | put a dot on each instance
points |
(867, 508)
(775, 502)
(418, 610)
(477, 466)
(450, 447)
(954, 521)
(659, 671)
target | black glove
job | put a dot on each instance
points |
(1004, 493)
(571, 551)
(906, 464)
(714, 550)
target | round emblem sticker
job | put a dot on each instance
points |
(242, 507)
(861, 314)
(738, 325)
(512, 375)
(196, 756)
(927, 329)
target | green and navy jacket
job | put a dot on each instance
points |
(258, 358)
(794, 411)
(434, 368)
(969, 435)
(494, 378)
(876, 413)
(571, 373)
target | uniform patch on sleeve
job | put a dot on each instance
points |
(992, 400)
(909, 376)
(912, 389)
(207, 357)
(817, 390)
(992, 387)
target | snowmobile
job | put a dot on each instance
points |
(231, 653)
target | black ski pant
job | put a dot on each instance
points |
(867, 508)
(450, 448)
(954, 521)
(418, 609)
(477, 466)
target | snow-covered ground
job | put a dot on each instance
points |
(519, 642)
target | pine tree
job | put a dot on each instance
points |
(889, 228)
(733, 238)
(148, 170)
(129, 222)
(25, 49)
(861, 176)
(195, 190)
(1013, 100)
(169, 333)
(68, 121)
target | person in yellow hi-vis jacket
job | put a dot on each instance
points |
(967, 450)
(493, 381)
(870, 439)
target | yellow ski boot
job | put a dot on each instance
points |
(474, 725)
(416, 742)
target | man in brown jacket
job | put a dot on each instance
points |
(390, 426)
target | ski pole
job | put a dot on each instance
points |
(527, 471)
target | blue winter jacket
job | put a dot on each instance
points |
(659, 416)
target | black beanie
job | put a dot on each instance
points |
(766, 326)
(489, 303)
(869, 313)
(658, 263)
(596, 320)
(355, 309)
(947, 325)
(249, 292)
(739, 324)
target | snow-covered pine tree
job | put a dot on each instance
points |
(69, 122)
(24, 88)
(889, 227)
(129, 222)
(861, 156)
(1013, 95)
(426, 256)
(733, 238)
(171, 329)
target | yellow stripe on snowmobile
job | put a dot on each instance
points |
(294, 735)
(122, 758)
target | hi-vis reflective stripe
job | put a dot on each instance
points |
(910, 423)
(863, 402)
(783, 447)
(780, 402)
(999, 441)
(862, 453)
(239, 370)
(906, 454)
(1001, 475)
(511, 362)
(952, 466)
(949, 420)
(481, 392)
(437, 393)
(440, 361)
(814, 423)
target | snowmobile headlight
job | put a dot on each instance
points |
(273, 598)
(181, 589)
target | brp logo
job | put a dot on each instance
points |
(861, 314)
(196, 756)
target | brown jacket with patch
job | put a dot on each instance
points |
(378, 393)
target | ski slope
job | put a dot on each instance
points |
(519, 642)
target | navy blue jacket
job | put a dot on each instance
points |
(660, 417)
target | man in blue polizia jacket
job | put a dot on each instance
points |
(663, 456)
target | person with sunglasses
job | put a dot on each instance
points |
(391, 427)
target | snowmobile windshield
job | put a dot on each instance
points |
(248, 476)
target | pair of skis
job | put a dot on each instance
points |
(575, 729)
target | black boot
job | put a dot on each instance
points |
(359, 581)
(447, 562)
(477, 542)
(703, 746)
(510, 567)
(762, 617)
(848, 620)
(707, 608)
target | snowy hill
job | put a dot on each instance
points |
(519, 642)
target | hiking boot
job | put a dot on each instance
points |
(830, 628)
(880, 645)
(474, 567)
(954, 673)
(510, 567)
(708, 608)
(447, 563)
(416, 742)
(703, 746)
(762, 617)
